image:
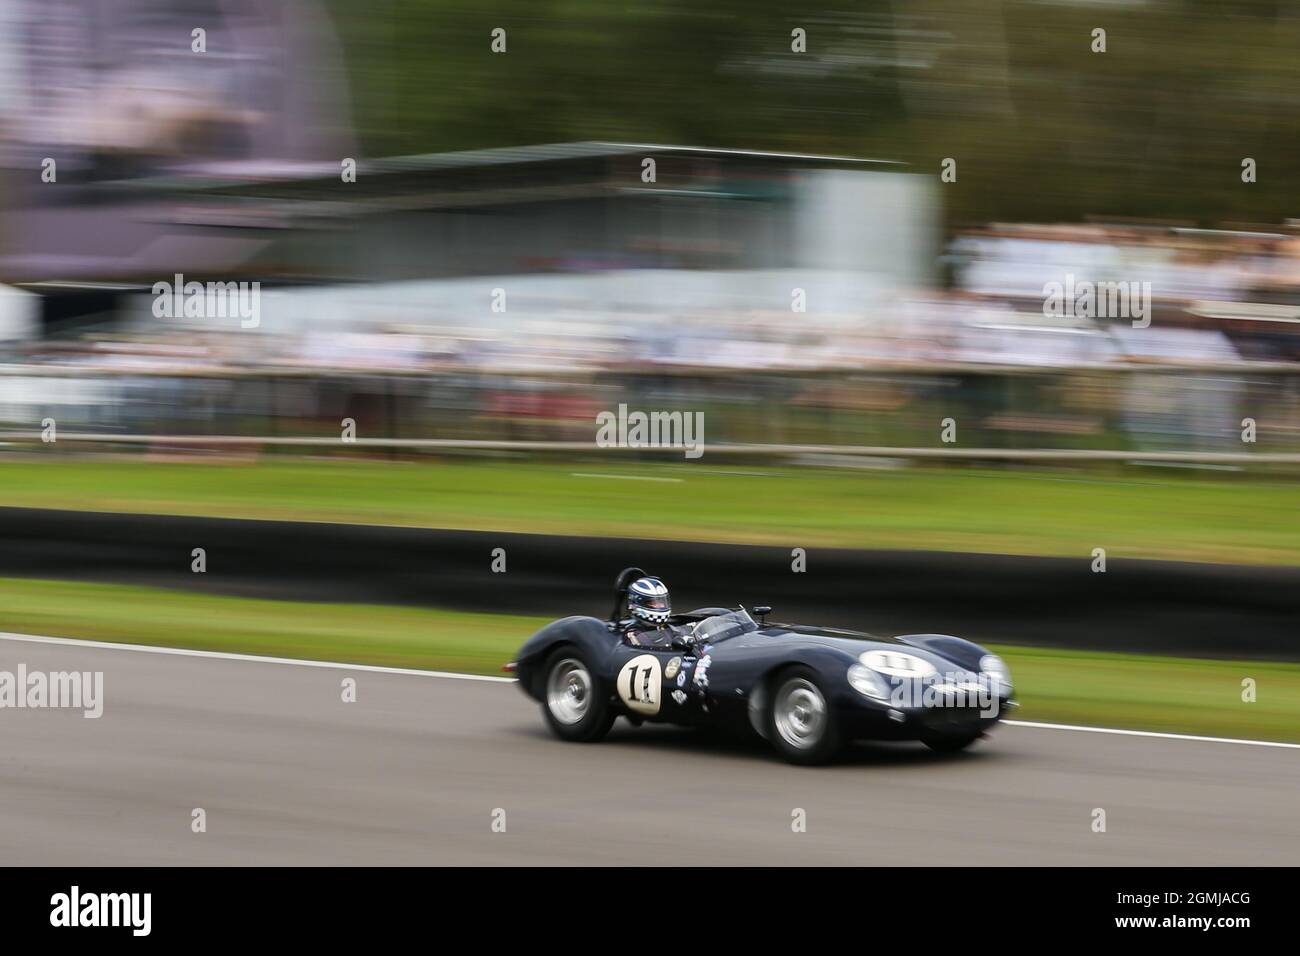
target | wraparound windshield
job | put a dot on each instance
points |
(722, 626)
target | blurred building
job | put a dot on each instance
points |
(582, 239)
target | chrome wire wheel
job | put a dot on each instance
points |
(568, 691)
(799, 713)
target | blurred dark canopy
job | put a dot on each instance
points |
(1042, 127)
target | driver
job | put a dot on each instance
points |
(650, 609)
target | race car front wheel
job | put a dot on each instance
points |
(575, 706)
(800, 723)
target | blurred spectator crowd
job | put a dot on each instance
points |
(1217, 297)
(1221, 346)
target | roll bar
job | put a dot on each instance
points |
(625, 579)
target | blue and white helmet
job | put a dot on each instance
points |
(647, 600)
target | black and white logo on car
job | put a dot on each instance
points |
(702, 672)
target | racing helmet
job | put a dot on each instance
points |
(647, 600)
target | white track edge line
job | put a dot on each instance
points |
(257, 658)
(1152, 733)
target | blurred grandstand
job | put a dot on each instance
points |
(510, 293)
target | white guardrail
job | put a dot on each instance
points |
(864, 451)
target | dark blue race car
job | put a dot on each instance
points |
(807, 690)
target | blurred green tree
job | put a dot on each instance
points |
(1043, 127)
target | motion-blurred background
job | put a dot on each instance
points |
(799, 269)
(520, 170)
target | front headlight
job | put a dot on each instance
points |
(868, 683)
(996, 668)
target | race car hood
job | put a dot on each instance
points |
(939, 649)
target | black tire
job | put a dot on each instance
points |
(801, 725)
(575, 701)
(950, 743)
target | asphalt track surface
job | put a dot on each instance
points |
(412, 771)
(1152, 606)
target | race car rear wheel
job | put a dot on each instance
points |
(800, 722)
(575, 705)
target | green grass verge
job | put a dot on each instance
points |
(353, 633)
(1112, 690)
(1179, 516)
